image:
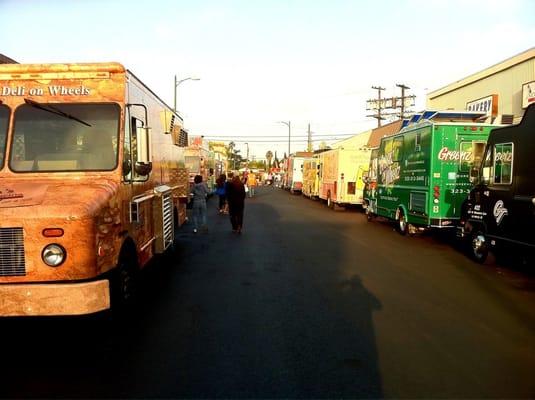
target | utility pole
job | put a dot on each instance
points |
(309, 147)
(376, 104)
(403, 100)
(289, 125)
(403, 87)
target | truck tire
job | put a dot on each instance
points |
(124, 285)
(369, 214)
(479, 247)
(402, 225)
(330, 202)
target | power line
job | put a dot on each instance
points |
(275, 136)
(285, 141)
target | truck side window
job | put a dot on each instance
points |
(4, 118)
(127, 155)
(486, 170)
(503, 163)
(135, 129)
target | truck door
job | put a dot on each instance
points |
(523, 201)
(497, 200)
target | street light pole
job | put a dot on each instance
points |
(247, 159)
(178, 82)
(289, 125)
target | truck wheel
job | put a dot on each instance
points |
(330, 202)
(125, 283)
(369, 214)
(480, 250)
(403, 226)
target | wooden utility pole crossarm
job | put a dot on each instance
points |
(376, 104)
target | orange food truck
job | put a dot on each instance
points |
(92, 183)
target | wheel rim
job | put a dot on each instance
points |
(402, 223)
(479, 246)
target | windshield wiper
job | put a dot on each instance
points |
(54, 110)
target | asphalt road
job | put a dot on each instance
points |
(306, 303)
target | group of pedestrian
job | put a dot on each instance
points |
(231, 194)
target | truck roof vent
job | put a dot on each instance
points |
(507, 119)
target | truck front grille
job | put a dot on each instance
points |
(12, 262)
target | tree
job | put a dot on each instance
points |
(233, 156)
(276, 163)
(269, 157)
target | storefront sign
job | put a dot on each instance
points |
(528, 94)
(488, 105)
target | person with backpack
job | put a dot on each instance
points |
(221, 192)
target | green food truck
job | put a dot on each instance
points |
(423, 173)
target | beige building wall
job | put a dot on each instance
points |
(356, 142)
(504, 79)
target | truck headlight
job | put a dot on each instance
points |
(53, 255)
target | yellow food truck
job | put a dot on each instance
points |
(310, 177)
(341, 173)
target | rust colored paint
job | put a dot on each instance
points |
(92, 207)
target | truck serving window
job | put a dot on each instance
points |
(503, 163)
(4, 119)
(65, 137)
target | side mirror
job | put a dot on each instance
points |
(143, 145)
(143, 169)
(143, 164)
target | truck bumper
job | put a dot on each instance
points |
(50, 299)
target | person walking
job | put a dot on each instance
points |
(199, 192)
(235, 191)
(251, 183)
(220, 190)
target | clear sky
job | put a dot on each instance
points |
(260, 62)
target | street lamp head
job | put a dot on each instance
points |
(178, 82)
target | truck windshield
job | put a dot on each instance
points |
(4, 119)
(65, 137)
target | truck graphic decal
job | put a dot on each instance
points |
(446, 154)
(499, 211)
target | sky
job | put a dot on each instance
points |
(261, 62)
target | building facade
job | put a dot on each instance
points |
(506, 88)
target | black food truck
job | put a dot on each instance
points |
(499, 214)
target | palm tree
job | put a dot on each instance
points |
(269, 157)
(230, 149)
(233, 156)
